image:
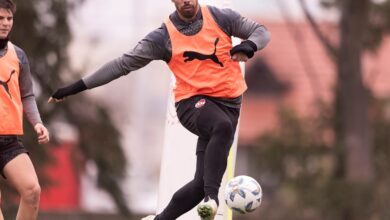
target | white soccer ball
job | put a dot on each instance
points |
(243, 194)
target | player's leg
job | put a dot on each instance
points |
(5, 141)
(219, 123)
(216, 123)
(21, 174)
(189, 195)
(1, 213)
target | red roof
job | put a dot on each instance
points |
(297, 58)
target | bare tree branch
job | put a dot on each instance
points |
(325, 41)
(303, 53)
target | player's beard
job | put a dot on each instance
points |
(188, 11)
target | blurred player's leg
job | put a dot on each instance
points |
(21, 174)
(1, 213)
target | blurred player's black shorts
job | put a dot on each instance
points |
(10, 147)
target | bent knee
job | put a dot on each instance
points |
(31, 194)
(224, 129)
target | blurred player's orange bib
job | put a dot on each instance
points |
(202, 64)
(11, 110)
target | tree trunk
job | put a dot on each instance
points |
(355, 135)
(353, 96)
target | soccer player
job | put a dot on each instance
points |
(16, 97)
(195, 42)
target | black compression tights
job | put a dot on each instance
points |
(215, 125)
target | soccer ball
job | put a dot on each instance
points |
(243, 194)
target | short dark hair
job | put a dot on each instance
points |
(8, 4)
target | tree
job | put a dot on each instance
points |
(42, 29)
(337, 179)
(352, 95)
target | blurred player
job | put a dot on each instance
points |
(16, 97)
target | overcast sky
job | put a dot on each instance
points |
(102, 17)
(127, 21)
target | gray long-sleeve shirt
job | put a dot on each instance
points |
(30, 108)
(157, 44)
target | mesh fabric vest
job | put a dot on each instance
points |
(202, 64)
(11, 110)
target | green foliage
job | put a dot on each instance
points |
(42, 30)
(381, 124)
(304, 163)
(299, 164)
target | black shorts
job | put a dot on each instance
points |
(10, 147)
(200, 114)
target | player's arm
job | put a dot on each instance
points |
(152, 47)
(255, 36)
(30, 108)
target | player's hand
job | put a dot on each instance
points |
(51, 99)
(244, 51)
(42, 133)
(240, 57)
(58, 96)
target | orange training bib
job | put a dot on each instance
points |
(11, 109)
(202, 64)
